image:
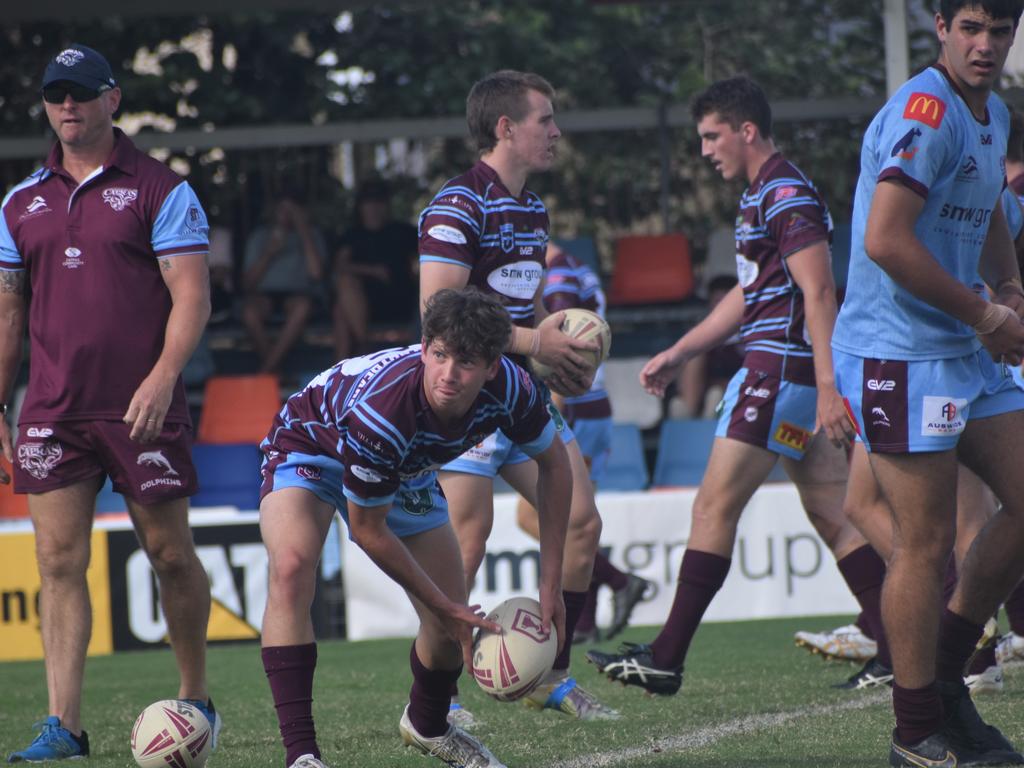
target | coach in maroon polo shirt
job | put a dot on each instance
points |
(110, 246)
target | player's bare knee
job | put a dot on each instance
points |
(172, 559)
(62, 560)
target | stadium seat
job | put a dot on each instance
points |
(651, 269)
(630, 404)
(12, 505)
(228, 475)
(108, 501)
(627, 470)
(583, 249)
(841, 253)
(721, 258)
(683, 449)
(238, 409)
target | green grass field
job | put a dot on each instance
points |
(749, 698)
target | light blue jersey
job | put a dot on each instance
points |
(927, 139)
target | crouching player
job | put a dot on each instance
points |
(365, 437)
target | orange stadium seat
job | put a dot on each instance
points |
(12, 505)
(238, 409)
(651, 269)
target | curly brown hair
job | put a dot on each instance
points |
(470, 324)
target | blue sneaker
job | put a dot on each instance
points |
(53, 743)
(212, 715)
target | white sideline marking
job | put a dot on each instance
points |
(709, 735)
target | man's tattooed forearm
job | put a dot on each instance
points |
(12, 281)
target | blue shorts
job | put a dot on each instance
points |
(419, 505)
(594, 437)
(915, 406)
(487, 457)
(768, 411)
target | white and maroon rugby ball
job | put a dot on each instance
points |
(584, 325)
(508, 666)
(171, 734)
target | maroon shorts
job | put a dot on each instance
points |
(55, 455)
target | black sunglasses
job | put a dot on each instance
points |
(55, 94)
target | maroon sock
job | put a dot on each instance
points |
(1015, 609)
(588, 616)
(290, 671)
(983, 659)
(701, 575)
(574, 602)
(957, 640)
(430, 697)
(864, 626)
(864, 571)
(606, 573)
(918, 712)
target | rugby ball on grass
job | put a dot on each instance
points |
(584, 325)
(171, 734)
(510, 665)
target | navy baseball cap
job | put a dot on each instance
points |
(82, 65)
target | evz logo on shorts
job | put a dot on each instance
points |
(307, 472)
(881, 385)
(39, 458)
(792, 436)
(943, 415)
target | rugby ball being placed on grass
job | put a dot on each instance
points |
(171, 734)
(584, 325)
(508, 666)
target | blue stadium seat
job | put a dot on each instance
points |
(228, 475)
(683, 449)
(841, 253)
(584, 249)
(108, 501)
(627, 470)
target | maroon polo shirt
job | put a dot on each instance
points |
(98, 306)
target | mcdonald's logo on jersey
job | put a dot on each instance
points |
(925, 108)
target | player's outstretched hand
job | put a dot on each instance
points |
(834, 419)
(661, 370)
(461, 621)
(1002, 334)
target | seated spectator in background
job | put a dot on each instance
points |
(222, 278)
(702, 381)
(284, 264)
(375, 272)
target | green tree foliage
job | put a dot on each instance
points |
(419, 60)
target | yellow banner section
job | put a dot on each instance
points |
(19, 598)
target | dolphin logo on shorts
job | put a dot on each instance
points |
(156, 459)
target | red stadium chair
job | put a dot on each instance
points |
(238, 409)
(651, 269)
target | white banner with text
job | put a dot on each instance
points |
(780, 567)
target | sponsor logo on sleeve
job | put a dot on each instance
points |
(195, 222)
(925, 108)
(746, 270)
(447, 234)
(943, 415)
(902, 148)
(784, 193)
(366, 474)
(792, 436)
(120, 198)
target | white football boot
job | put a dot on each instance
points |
(847, 643)
(456, 748)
